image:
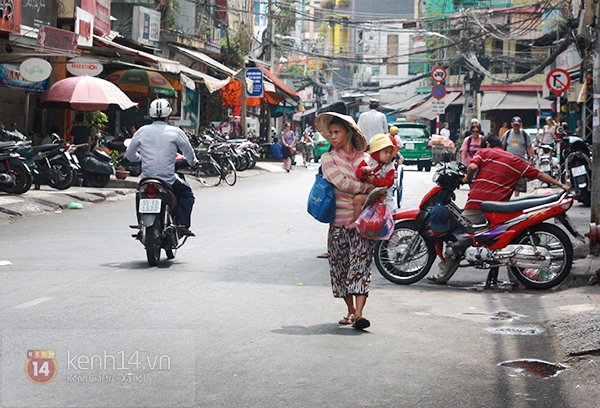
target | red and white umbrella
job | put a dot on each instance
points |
(85, 93)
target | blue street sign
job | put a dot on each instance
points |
(438, 91)
(256, 76)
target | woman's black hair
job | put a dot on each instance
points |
(339, 121)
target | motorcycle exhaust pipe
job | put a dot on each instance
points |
(6, 178)
(171, 233)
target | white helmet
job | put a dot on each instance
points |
(160, 108)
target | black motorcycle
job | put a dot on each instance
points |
(15, 175)
(49, 163)
(158, 227)
(95, 167)
(577, 164)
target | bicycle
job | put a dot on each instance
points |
(215, 166)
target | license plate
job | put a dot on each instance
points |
(409, 146)
(578, 171)
(149, 206)
(545, 167)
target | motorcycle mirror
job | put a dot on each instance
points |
(127, 142)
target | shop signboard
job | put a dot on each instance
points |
(10, 16)
(146, 26)
(84, 66)
(52, 39)
(36, 13)
(84, 27)
(35, 69)
(100, 9)
(256, 76)
(10, 77)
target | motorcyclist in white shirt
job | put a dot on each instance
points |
(156, 146)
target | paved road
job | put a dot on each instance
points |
(244, 317)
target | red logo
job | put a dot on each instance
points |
(41, 367)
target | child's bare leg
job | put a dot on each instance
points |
(357, 204)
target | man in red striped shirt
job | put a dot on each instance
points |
(498, 172)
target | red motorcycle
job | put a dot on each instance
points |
(539, 254)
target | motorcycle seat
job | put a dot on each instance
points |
(518, 204)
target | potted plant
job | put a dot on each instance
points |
(120, 171)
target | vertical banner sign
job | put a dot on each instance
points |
(256, 76)
(84, 27)
(146, 26)
(191, 106)
(10, 16)
(100, 9)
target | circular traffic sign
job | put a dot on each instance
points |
(438, 74)
(438, 91)
(558, 80)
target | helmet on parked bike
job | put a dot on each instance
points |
(159, 109)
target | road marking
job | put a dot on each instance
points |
(32, 303)
(2, 263)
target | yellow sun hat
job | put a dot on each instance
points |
(381, 141)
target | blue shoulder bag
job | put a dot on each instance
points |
(321, 200)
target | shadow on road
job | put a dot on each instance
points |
(319, 329)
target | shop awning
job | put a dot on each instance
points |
(163, 64)
(424, 110)
(299, 115)
(212, 84)
(205, 59)
(407, 103)
(512, 101)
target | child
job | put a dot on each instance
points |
(377, 168)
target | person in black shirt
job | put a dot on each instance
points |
(80, 133)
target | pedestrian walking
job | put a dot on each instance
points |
(373, 122)
(350, 255)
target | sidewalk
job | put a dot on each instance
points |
(47, 200)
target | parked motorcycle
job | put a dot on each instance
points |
(539, 254)
(15, 175)
(578, 167)
(95, 167)
(158, 228)
(548, 163)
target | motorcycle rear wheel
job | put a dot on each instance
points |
(418, 262)
(23, 179)
(134, 169)
(66, 175)
(558, 243)
(153, 243)
(96, 180)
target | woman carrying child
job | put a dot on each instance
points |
(350, 255)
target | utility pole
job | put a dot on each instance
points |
(595, 191)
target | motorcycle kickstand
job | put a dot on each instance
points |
(492, 278)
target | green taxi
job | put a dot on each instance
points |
(417, 147)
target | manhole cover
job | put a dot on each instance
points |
(530, 367)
